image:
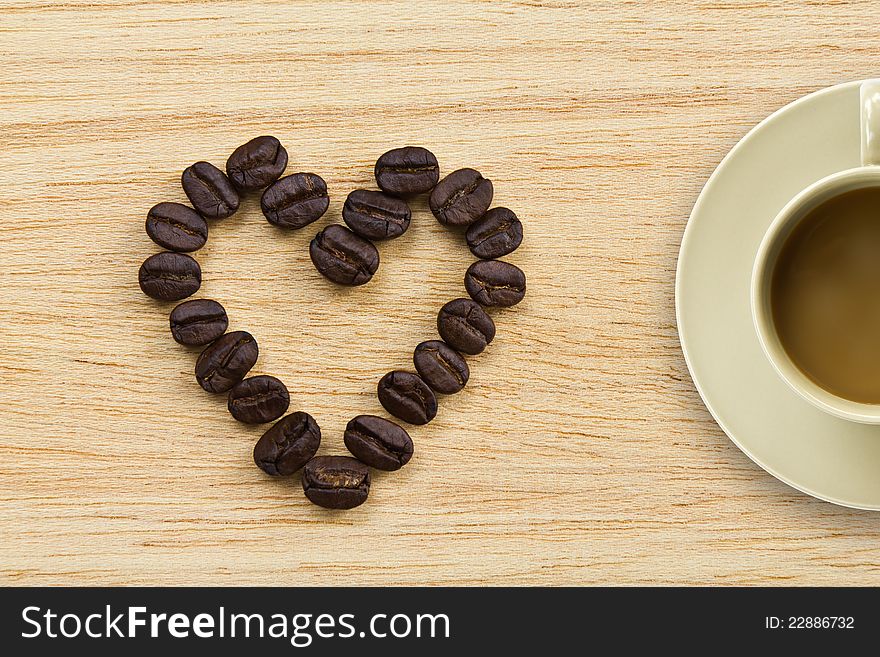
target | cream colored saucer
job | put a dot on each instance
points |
(832, 459)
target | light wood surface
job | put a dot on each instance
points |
(579, 452)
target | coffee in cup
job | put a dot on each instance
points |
(816, 283)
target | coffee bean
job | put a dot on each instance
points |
(465, 326)
(498, 233)
(198, 322)
(288, 445)
(256, 164)
(226, 361)
(376, 216)
(495, 283)
(336, 482)
(406, 396)
(295, 200)
(441, 366)
(343, 257)
(461, 198)
(209, 190)
(176, 227)
(170, 276)
(378, 442)
(258, 399)
(407, 171)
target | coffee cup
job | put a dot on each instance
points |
(783, 226)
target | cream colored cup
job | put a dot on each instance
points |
(867, 175)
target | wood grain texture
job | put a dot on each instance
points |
(579, 453)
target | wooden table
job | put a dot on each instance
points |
(579, 452)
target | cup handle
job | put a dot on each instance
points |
(870, 104)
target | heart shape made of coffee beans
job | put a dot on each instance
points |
(347, 256)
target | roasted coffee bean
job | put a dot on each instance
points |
(498, 233)
(295, 201)
(198, 322)
(378, 442)
(461, 198)
(407, 171)
(256, 164)
(376, 216)
(176, 227)
(465, 326)
(258, 399)
(343, 257)
(226, 361)
(288, 445)
(209, 190)
(495, 283)
(406, 396)
(336, 482)
(441, 366)
(170, 276)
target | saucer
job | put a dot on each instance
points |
(832, 459)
